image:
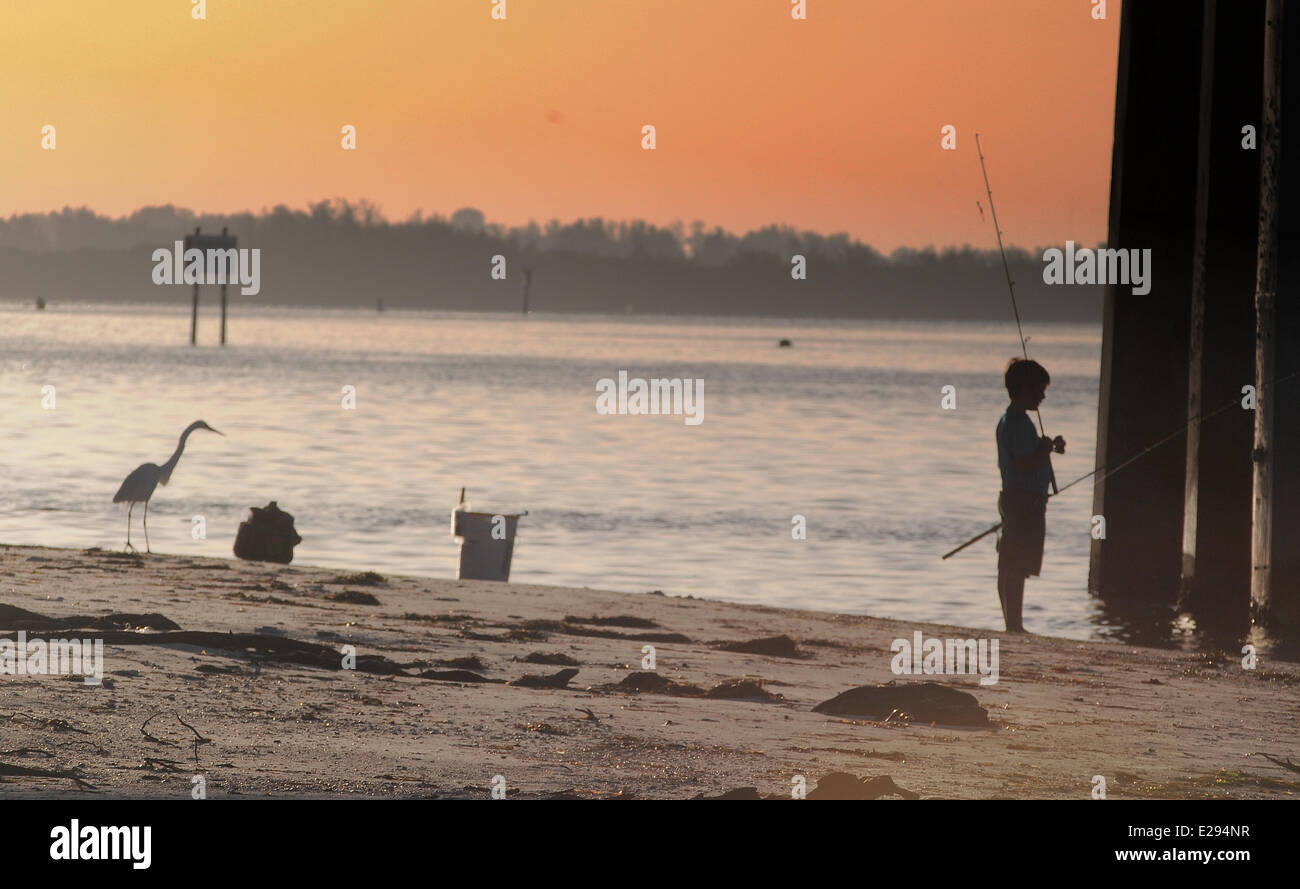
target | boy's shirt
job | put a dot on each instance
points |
(1017, 437)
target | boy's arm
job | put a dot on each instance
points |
(1029, 452)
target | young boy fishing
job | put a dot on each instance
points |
(1024, 457)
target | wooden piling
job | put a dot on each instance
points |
(1265, 308)
(1144, 371)
(1215, 583)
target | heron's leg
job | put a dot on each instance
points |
(146, 527)
(129, 507)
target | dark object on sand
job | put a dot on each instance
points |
(219, 670)
(353, 597)
(269, 649)
(775, 646)
(456, 676)
(1288, 764)
(574, 629)
(557, 680)
(841, 785)
(650, 681)
(73, 774)
(558, 659)
(365, 578)
(742, 690)
(645, 680)
(785, 344)
(267, 536)
(14, 618)
(738, 793)
(40, 304)
(921, 701)
(618, 620)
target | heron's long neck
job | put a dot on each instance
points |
(166, 472)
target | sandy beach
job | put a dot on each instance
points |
(246, 657)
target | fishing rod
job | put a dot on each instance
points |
(1011, 286)
(1140, 454)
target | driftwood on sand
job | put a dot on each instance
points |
(914, 701)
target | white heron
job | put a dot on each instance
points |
(140, 484)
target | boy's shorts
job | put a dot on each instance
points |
(1024, 528)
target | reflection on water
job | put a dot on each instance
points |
(844, 428)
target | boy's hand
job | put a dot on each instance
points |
(1045, 445)
(1058, 445)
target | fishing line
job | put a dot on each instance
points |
(1011, 286)
(1114, 468)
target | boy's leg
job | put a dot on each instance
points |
(1011, 593)
(1015, 601)
(1011, 571)
(1001, 547)
(1002, 578)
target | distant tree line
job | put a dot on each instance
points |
(337, 253)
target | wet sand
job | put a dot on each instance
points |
(250, 663)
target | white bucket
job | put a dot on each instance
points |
(487, 543)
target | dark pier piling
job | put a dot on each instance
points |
(1183, 183)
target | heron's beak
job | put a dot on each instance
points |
(222, 434)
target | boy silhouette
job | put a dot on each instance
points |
(1024, 458)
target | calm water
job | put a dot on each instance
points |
(845, 428)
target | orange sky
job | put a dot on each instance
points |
(830, 124)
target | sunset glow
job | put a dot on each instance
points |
(830, 124)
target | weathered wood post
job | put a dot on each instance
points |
(1197, 176)
(1144, 371)
(1216, 502)
(1275, 577)
(1282, 609)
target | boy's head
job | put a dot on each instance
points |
(1026, 381)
